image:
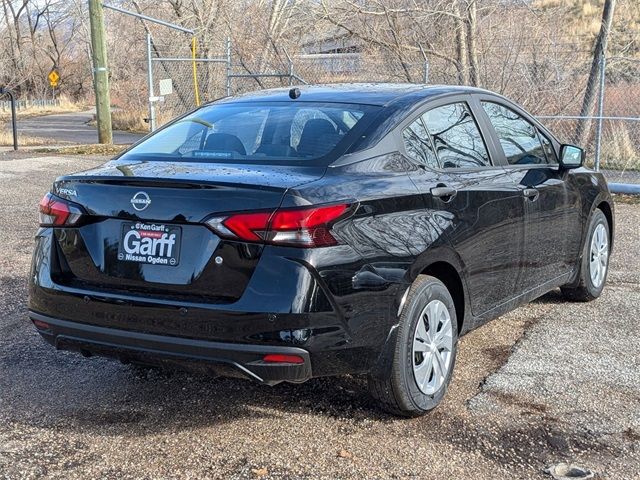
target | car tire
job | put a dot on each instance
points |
(422, 366)
(594, 264)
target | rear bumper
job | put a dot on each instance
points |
(227, 359)
(291, 302)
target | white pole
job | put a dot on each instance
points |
(152, 109)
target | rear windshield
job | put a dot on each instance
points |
(258, 133)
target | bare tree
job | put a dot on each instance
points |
(482, 43)
(401, 29)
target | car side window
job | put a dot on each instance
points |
(519, 138)
(418, 144)
(548, 148)
(456, 136)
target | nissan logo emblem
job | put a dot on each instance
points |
(140, 201)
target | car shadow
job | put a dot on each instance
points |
(44, 387)
(554, 296)
(80, 400)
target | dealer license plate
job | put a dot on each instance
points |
(153, 243)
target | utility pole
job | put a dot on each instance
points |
(100, 72)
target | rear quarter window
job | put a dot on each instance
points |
(418, 146)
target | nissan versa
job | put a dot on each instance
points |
(326, 230)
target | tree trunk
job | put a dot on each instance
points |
(461, 45)
(472, 43)
(600, 49)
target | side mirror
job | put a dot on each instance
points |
(571, 156)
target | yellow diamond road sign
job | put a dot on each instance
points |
(54, 76)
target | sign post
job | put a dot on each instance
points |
(54, 78)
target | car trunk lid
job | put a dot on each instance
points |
(144, 230)
(180, 191)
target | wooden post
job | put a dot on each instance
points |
(100, 72)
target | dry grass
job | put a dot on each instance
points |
(584, 16)
(133, 120)
(6, 140)
(65, 106)
(619, 151)
(629, 199)
(129, 121)
(96, 149)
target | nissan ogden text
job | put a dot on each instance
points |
(296, 233)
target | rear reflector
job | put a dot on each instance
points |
(280, 358)
(41, 325)
(300, 227)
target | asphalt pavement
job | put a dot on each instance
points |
(70, 128)
(549, 382)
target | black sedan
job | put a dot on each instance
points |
(327, 230)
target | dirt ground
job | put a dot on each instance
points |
(552, 381)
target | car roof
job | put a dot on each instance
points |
(381, 94)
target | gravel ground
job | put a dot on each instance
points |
(549, 382)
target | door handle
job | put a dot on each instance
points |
(531, 193)
(443, 192)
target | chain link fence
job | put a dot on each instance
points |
(179, 82)
(609, 130)
(620, 157)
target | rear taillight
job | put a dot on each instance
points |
(301, 227)
(56, 212)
